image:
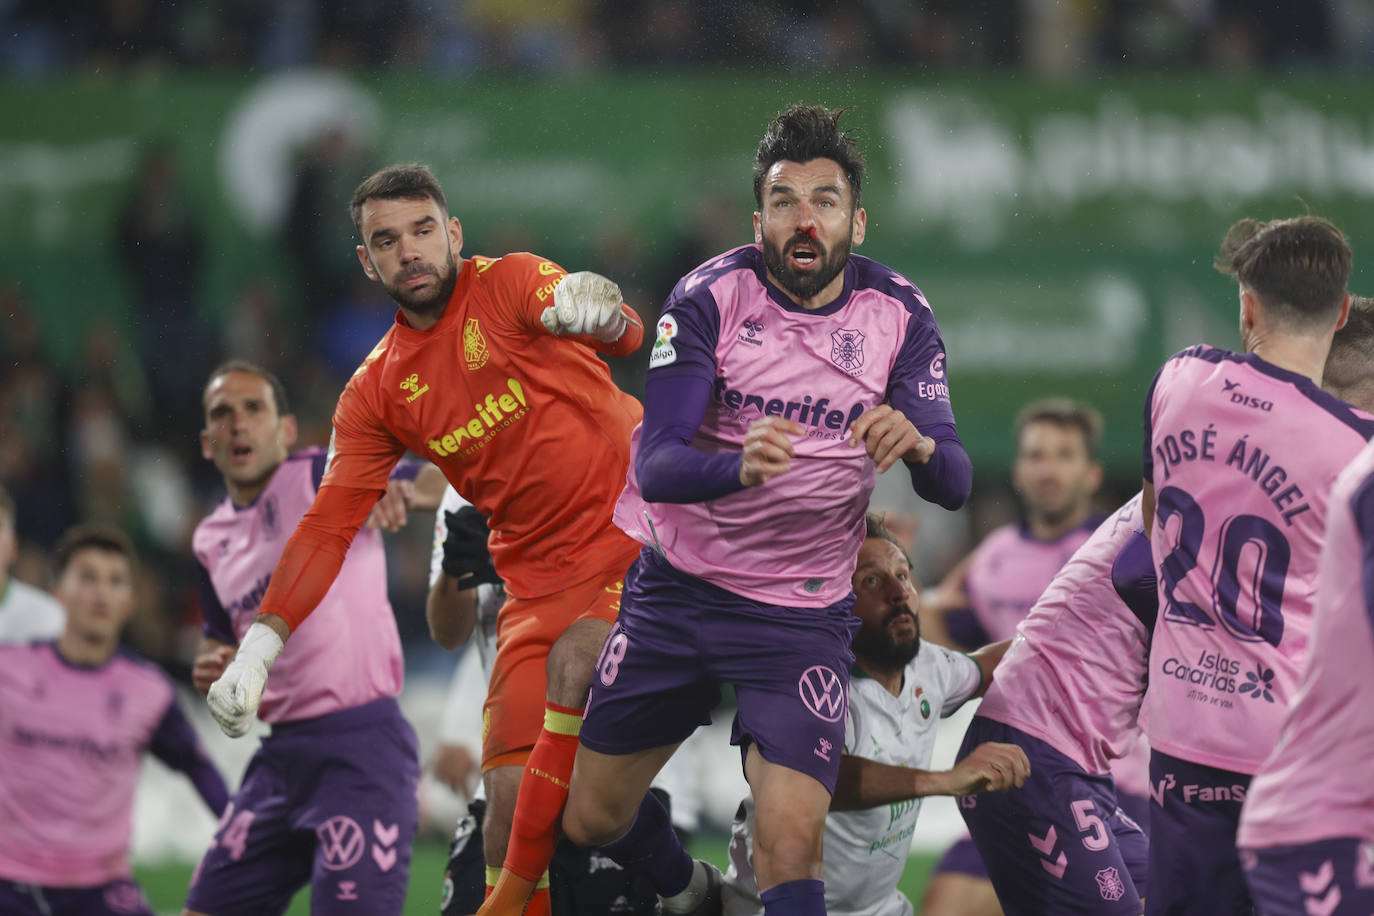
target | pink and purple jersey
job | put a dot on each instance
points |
(1074, 676)
(71, 742)
(1316, 785)
(1242, 455)
(348, 651)
(1010, 569)
(740, 350)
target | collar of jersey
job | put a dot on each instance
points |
(78, 666)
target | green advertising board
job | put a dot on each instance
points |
(1063, 232)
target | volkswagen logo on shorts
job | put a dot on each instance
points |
(341, 841)
(822, 692)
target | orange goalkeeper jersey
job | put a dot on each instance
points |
(527, 426)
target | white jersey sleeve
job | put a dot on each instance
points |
(957, 674)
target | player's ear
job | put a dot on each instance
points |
(758, 228)
(1345, 312)
(1247, 308)
(860, 226)
(368, 268)
(289, 430)
(455, 237)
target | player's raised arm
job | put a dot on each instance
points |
(588, 305)
(308, 567)
(362, 458)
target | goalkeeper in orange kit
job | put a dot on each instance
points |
(490, 370)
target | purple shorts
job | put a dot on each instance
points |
(330, 801)
(678, 638)
(1194, 866)
(1060, 843)
(118, 898)
(1329, 877)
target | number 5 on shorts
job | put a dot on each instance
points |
(1098, 838)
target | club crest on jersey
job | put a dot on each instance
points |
(663, 353)
(924, 703)
(1110, 885)
(474, 345)
(847, 350)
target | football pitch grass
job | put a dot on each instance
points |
(165, 885)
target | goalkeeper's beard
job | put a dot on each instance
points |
(425, 303)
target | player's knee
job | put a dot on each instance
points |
(788, 856)
(588, 825)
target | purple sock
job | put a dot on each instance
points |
(795, 898)
(651, 848)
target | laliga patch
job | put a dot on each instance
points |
(663, 353)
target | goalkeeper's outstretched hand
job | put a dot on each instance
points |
(466, 557)
(235, 697)
(586, 303)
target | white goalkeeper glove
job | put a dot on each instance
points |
(586, 303)
(235, 697)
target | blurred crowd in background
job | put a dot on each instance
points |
(111, 435)
(568, 36)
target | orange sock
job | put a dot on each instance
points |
(538, 811)
(543, 793)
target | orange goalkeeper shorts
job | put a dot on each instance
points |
(525, 631)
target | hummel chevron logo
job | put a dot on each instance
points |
(1319, 881)
(386, 835)
(1057, 867)
(1324, 906)
(385, 858)
(1045, 846)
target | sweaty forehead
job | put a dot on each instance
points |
(395, 213)
(804, 176)
(883, 554)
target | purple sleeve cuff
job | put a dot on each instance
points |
(175, 744)
(406, 470)
(947, 478)
(217, 623)
(1136, 581)
(668, 468)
